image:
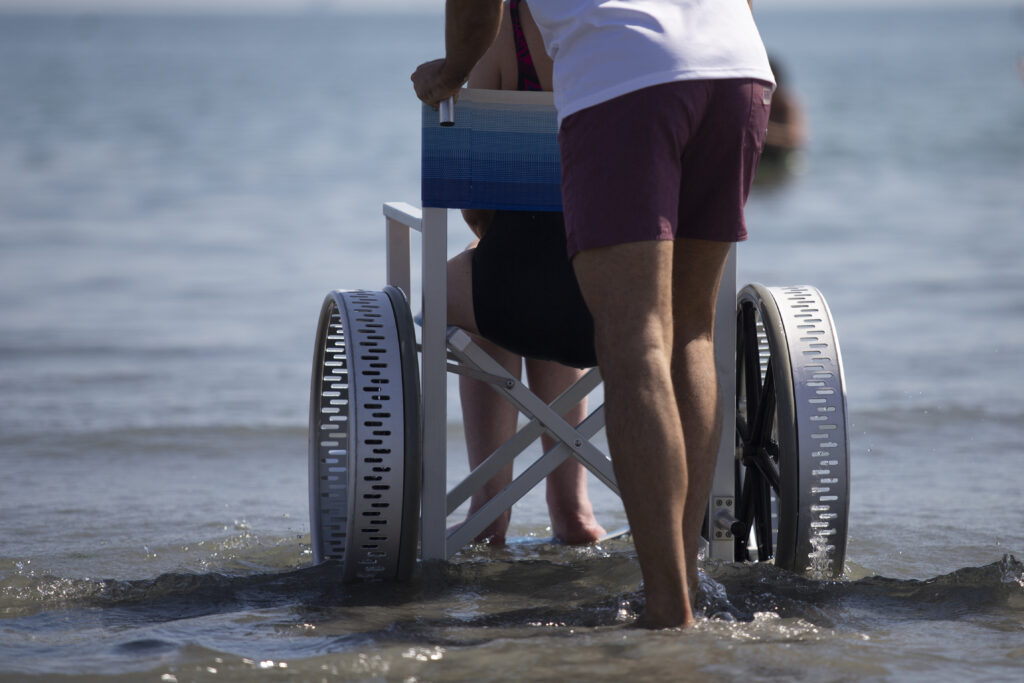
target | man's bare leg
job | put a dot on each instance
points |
(628, 288)
(697, 272)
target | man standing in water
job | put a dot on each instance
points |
(662, 107)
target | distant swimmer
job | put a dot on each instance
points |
(787, 130)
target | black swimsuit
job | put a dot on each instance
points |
(525, 295)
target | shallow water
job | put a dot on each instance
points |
(178, 194)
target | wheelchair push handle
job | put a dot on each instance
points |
(447, 110)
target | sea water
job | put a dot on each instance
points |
(178, 194)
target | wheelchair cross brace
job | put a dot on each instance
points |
(573, 442)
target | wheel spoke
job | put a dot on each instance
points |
(762, 419)
(747, 508)
(755, 507)
(765, 549)
(766, 468)
(751, 363)
(759, 451)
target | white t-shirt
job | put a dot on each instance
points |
(606, 48)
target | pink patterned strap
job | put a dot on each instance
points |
(527, 79)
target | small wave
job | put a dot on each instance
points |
(745, 590)
(240, 556)
(169, 596)
(482, 596)
(527, 596)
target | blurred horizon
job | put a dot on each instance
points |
(385, 6)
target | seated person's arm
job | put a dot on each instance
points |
(487, 75)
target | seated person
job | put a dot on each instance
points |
(516, 289)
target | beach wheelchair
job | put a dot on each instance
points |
(378, 467)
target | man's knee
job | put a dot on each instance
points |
(696, 276)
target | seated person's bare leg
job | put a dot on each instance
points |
(569, 507)
(490, 420)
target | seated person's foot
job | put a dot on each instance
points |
(493, 534)
(576, 528)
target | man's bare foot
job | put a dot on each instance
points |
(648, 621)
(668, 609)
(665, 613)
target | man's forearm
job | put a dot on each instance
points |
(470, 28)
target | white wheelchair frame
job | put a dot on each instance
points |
(378, 424)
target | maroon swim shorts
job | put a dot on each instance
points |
(672, 160)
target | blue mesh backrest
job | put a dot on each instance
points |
(502, 153)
